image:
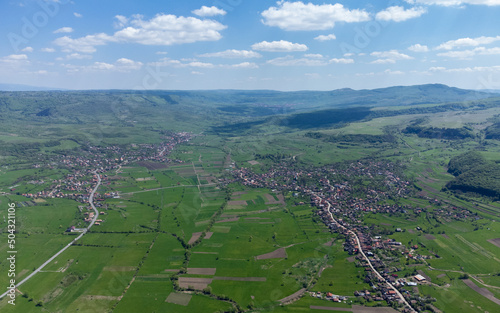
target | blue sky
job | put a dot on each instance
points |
(249, 44)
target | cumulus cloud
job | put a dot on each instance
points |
(120, 65)
(161, 30)
(78, 56)
(233, 54)
(390, 56)
(50, 50)
(455, 2)
(243, 65)
(78, 15)
(467, 42)
(64, 30)
(14, 60)
(467, 54)
(209, 11)
(85, 44)
(300, 16)
(399, 14)
(342, 61)
(27, 49)
(418, 48)
(279, 46)
(326, 37)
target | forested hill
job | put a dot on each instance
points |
(475, 174)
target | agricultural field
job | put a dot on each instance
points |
(222, 214)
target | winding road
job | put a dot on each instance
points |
(96, 215)
(366, 258)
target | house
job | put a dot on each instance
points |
(419, 277)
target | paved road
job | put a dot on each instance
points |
(366, 258)
(91, 201)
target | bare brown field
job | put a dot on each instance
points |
(233, 219)
(270, 199)
(429, 236)
(482, 291)
(201, 271)
(495, 241)
(447, 237)
(237, 202)
(276, 254)
(253, 162)
(293, 296)
(197, 235)
(196, 283)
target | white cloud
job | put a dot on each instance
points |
(50, 50)
(14, 60)
(456, 2)
(418, 48)
(291, 61)
(399, 14)
(467, 42)
(121, 65)
(27, 49)
(64, 30)
(15, 57)
(85, 44)
(180, 64)
(467, 54)
(466, 69)
(326, 37)
(244, 65)
(383, 61)
(201, 64)
(170, 30)
(209, 11)
(391, 72)
(121, 21)
(77, 15)
(78, 56)
(313, 56)
(160, 30)
(390, 56)
(124, 64)
(342, 61)
(279, 46)
(233, 54)
(299, 16)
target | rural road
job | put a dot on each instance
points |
(91, 201)
(366, 258)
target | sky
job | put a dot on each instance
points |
(249, 44)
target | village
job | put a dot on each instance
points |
(84, 166)
(341, 208)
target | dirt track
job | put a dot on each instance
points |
(482, 291)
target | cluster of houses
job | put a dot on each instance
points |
(343, 212)
(81, 166)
